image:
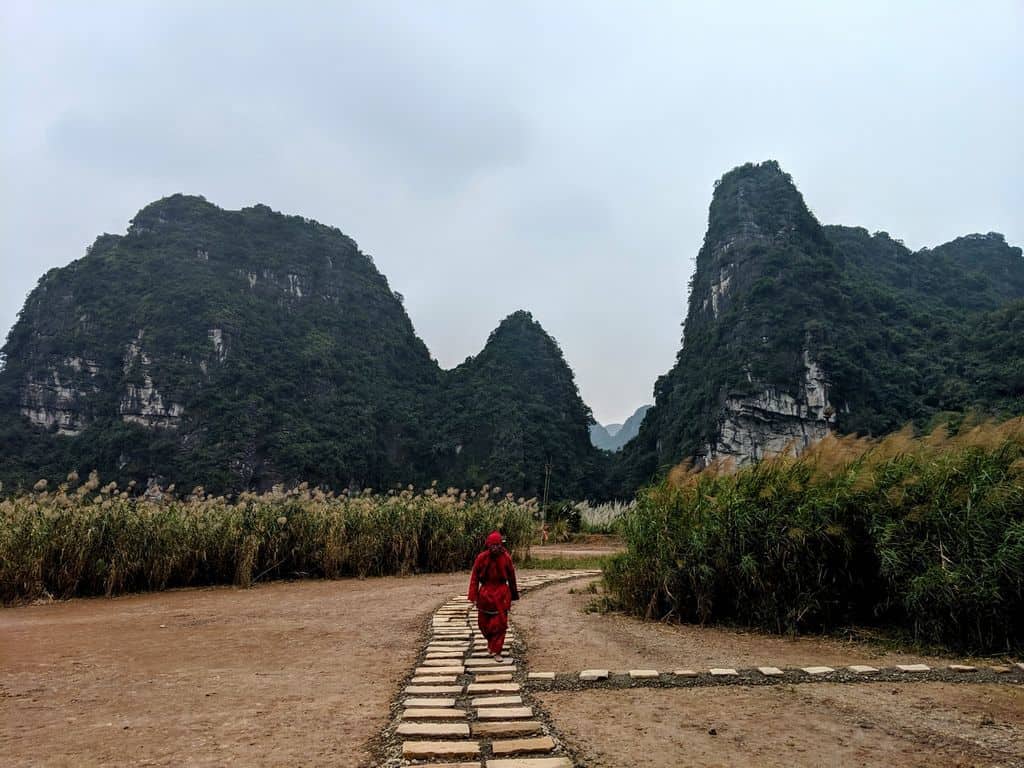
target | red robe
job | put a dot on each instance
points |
(492, 586)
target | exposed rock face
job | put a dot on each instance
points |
(773, 422)
(55, 399)
(141, 403)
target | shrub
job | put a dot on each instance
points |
(93, 541)
(925, 534)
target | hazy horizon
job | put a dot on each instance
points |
(553, 158)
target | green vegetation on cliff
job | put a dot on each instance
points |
(796, 323)
(241, 349)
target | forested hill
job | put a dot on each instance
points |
(795, 330)
(238, 349)
(515, 408)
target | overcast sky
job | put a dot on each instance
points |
(552, 156)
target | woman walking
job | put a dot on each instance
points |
(492, 587)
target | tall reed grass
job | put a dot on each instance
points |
(92, 540)
(923, 534)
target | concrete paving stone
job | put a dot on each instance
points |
(684, 672)
(531, 762)
(454, 765)
(962, 668)
(862, 669)
(643, 674)
(495, 701)
(817, 670)
(1019, 665)
(488, 662)
(723, 672)
(432, 729)
(505, 677)
(541, 676)
(424, 749)
(428, 701)
(425, 690)
(999, 669)
(770, 671)
(434, 679)
(437, 663)
(504, 713)
(492, 687)
(448, 670)
(436, 655)
(433, 713)
(518, 746)
(913, 667)
(594, 674)
(507, 728)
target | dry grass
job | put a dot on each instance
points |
(88, 540)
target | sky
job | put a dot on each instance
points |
(557, 157)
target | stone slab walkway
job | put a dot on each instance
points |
(463, 709)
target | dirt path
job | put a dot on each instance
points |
(811, 724)
(564, 637)
(285, 674)
(923, 724)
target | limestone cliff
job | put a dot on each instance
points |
(795, 330)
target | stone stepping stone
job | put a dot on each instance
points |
(504, 678)
(432, 689)
(643, 674)
(434, 680)
(862, 669)
(770, 671)
(495, 701)
(516, 746)
(504, 713)
(999, 669)
(817, 670)
(531, 762)
(684, 672)
(488, 662)
(492, 687)
(541, 676)
(446, 670)
(723, 672)
(1019, 665)
(432, 729)
(594, 674)
(962, 668)
(426, 701)
(437, 662)
(438, 713)
(455, 765)
(437, 655)
(913, 667)
(514, 728)
(423, 749)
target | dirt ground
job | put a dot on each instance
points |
(563, 637)
(593, 545)
(288, 674)
(810, 725)
(916, 724)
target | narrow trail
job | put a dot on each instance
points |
(461, 705)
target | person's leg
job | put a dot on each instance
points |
(496, 640)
